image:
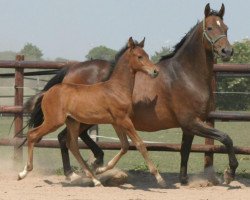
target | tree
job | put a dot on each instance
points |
(101, 52)
(227, 99)
(7, 55)
(157, 56)
(31, 52)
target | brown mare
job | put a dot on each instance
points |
(179, 97)
(109, 102)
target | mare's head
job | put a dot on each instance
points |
(139, 59)
(215, 33)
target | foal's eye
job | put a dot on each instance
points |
(140, 57)
(209, 28)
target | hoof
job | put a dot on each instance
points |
(97, 183)
(73, 177)
(228, 178)
(184, 180)
(162, 183)
(100, 170)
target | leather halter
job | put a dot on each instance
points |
(212, 40)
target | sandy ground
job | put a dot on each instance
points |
(139, 186)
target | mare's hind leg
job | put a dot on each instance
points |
(97, 151)
(186, 144)
(72, 143)
(33, 136)
(201, 129)
(124, 148)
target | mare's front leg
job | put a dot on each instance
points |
(124, 148)
(186, 144)
(199, 128)
(131, 132)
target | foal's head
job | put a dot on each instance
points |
(139, 59)
(215, 33)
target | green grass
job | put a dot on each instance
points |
(166, 161)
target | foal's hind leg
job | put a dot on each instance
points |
(33, 136)
(72, 143)
(124, 148)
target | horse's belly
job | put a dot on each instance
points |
(150, 118)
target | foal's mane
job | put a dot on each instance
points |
(117, 57)
(186, 37)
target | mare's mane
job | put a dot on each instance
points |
(186, 37)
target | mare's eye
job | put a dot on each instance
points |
(209, 28)
(140, 57)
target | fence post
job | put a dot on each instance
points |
(209, 157)
(19, 83)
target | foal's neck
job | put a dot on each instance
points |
(123, 76)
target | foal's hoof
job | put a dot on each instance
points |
(100, 170)
(97, 183)
(228, 178)
(162, 183)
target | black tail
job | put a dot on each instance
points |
(33, 105)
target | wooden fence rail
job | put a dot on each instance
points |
(19, 65)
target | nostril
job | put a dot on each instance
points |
(155, 71)
(223, 51)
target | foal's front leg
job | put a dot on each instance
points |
(124, 148)
(131, 132)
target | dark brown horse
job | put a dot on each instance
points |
(109, 102)
(179, 97)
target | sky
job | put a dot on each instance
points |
(70, 28)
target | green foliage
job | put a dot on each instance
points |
(101, 52)
(59, 59)
(242, 84)
(31, 52)
(157, 56)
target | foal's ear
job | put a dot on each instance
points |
(141, 44)
(222, 11)
(131, 43)
(207, 10)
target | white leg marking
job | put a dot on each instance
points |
(22, 174)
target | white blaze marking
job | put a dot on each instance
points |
(218, 22)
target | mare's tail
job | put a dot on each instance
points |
(33, 105)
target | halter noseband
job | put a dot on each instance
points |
(211, 40)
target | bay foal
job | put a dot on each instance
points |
(109, 102)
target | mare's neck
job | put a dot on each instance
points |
(195, 60)
(123, 76)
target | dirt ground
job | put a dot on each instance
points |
(139, 186)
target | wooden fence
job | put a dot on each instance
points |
(208, 148)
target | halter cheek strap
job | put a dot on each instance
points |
(211, 40)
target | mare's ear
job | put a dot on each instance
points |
(141, 44)
(207, 10)
(222, 11)
(131, 43)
